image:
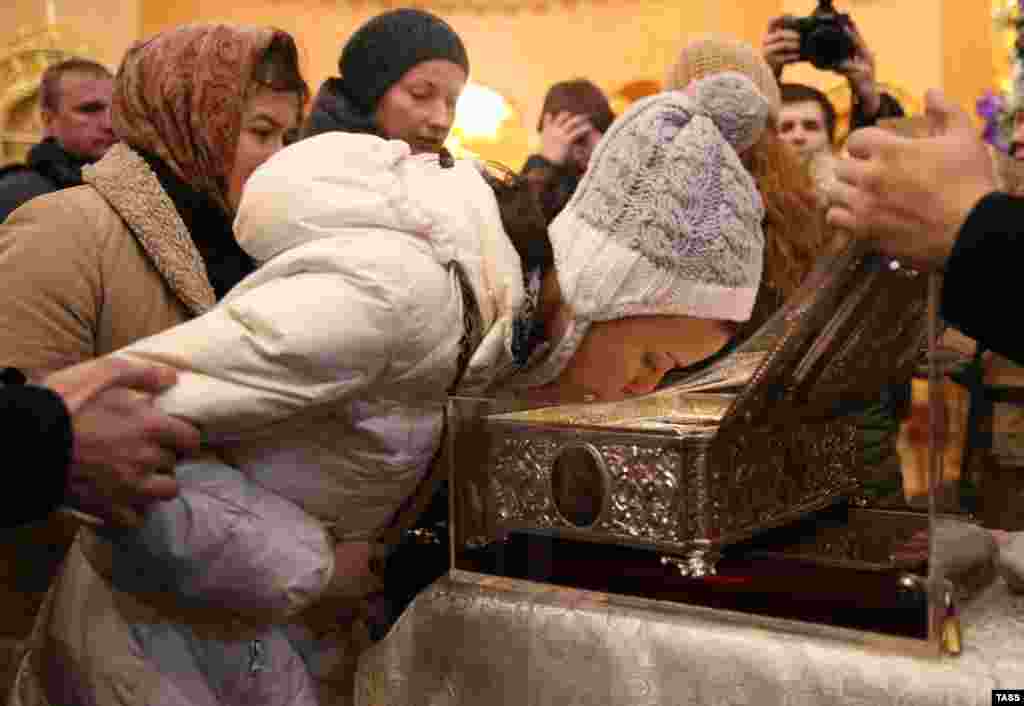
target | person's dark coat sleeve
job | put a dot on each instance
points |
(552, 184)
(979, 287)
(38, 441)
(889, 108)
(20, 185)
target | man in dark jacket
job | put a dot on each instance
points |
(89, 437)
(808, 119)
(74, 101)
(935, 202)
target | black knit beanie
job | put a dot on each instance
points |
(383, 49)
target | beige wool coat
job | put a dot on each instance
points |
(91, 269)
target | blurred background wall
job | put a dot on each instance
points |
(519, 47)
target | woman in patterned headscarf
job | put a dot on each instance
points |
(145, 244)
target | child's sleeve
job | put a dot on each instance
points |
(282, 347)
(257, 359)
(225, 542)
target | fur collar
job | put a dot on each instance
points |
(131, 188)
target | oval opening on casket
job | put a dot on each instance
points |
(579, 485)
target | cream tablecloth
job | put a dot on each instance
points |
(483, 641)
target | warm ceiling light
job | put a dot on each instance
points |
(480, 113)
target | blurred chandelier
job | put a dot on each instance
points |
(479, 117)
(480, 113)
(488, 127)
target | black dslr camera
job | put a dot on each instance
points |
(824, 40)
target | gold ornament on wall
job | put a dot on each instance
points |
(23, 59)
(1005, 15)
(842, 98)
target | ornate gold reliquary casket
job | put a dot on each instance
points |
(760, 439)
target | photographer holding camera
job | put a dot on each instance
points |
(830, 41)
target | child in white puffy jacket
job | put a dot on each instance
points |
(319, 384)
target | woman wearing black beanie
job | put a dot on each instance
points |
(401, 74)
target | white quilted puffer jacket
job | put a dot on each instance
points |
(321, 379)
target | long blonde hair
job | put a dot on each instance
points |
(794, 223)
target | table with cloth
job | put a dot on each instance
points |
(475, 640)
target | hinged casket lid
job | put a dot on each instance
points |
(857, 324)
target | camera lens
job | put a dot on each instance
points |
(828, 45)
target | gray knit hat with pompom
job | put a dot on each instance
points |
(667, 220)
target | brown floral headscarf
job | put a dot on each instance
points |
(181, 95)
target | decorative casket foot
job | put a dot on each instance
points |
(698, 563)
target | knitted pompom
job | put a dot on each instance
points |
(711, 54)
(734, 104)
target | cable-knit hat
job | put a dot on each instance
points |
(388, 45)
(713, 54)
(666, 221)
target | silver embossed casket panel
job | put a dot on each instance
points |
(751, 442)
(657, 490)
(767, 477)
(662, 492)
(643, 499)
